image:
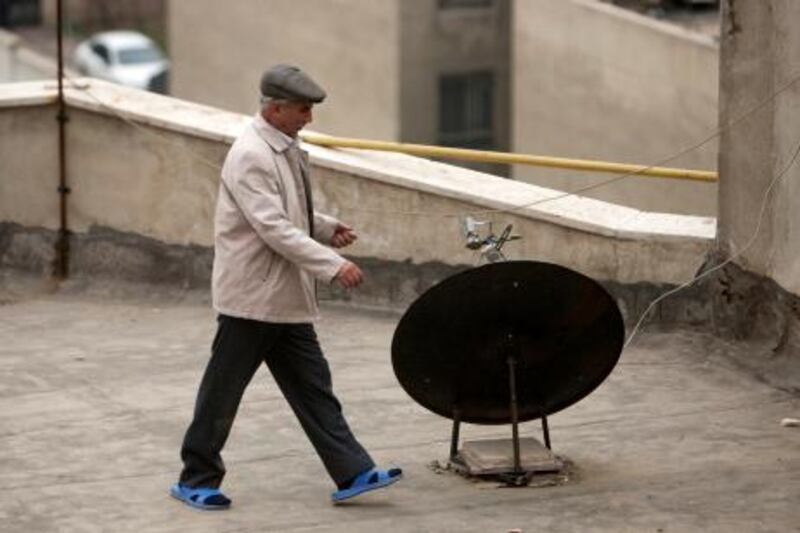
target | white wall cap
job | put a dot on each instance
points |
(26, 93)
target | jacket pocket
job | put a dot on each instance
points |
(269, 267)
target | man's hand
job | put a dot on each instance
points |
(343, 236)
(349, 275)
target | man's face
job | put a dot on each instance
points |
(291, 117)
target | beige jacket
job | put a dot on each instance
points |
(264, 260)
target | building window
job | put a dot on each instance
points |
(465, 110)
(460, 4)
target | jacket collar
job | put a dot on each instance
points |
(279, 141)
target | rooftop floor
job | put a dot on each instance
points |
(97, 386)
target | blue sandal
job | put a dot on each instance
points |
(366, 481)
(206, 498)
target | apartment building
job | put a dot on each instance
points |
(428, 71)
(569, 78)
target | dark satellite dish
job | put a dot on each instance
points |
(521, 336)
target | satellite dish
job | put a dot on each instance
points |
(507, 342)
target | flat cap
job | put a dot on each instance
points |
(288, 82)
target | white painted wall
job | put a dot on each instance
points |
(594, 81)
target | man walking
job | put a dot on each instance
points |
(267, 256)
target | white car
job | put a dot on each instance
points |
(125, 57)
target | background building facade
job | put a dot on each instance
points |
(428, 71)
(569, 78)
(594, 81)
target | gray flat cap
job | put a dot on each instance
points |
(288, 82)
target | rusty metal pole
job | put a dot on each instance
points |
(512, 385)
(454, 435)
(61, 269)
(546, 431)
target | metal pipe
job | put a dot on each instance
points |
(454, 435)
(61, 269)
(485, 156)
(546, 432)
(512, 384)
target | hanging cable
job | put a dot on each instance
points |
(764, 203)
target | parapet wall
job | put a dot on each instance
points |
(143, 171)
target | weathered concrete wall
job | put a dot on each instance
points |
(598, 82)
(143, 192)
(144, 181)
(351, 47)
(760, 56)
(138, 181)
(28, 184)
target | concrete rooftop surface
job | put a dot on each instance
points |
(98, 382)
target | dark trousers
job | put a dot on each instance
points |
(294, 357)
